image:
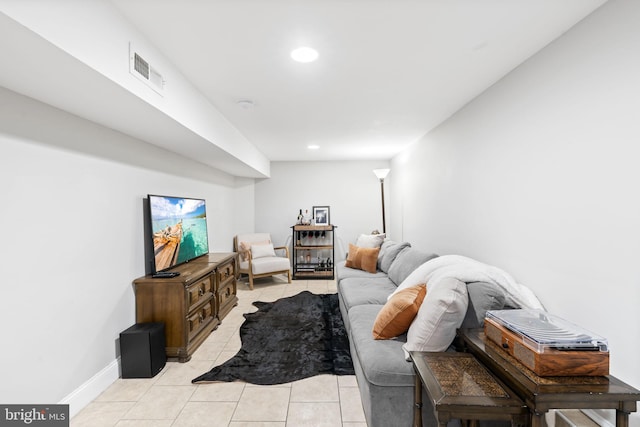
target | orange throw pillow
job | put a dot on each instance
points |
(396, 315)
(363, 258)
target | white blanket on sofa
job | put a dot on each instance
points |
(469, 270)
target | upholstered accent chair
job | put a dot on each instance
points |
(259, 258)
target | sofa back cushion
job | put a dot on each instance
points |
(388, 253)
(407, 260)
(483, 296)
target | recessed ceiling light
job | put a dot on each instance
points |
(304, 54)
(313, 147)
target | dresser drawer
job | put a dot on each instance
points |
(227, 294)
(200, 318)
(226, 272)
(199, 291)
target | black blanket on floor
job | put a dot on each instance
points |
(287, 340)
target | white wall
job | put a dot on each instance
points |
(349, 188)
(72, 225)
(539, 176)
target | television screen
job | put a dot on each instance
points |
(178, 229)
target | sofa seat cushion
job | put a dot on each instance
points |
(344, 272)
(359, 290)
(382, 362)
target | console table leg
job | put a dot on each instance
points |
(622, 419)
(520, 421)
(538, 420)
(417, 402)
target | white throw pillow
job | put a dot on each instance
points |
(370, 240)
(440, 314)
(263, 250)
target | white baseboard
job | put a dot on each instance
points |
(599, 416)
(87, 392)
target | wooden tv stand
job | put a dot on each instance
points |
(190, 305)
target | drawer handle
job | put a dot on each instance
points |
(201, 291)
(201, 317)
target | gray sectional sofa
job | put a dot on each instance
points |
(385, 378)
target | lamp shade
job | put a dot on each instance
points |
(381, 173)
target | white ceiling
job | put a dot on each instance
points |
(389, 71)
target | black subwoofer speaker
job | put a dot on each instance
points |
(142, 350)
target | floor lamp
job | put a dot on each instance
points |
(382, 174)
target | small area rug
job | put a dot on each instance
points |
(287, 340)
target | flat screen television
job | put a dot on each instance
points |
(178, 230)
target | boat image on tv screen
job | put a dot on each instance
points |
(179, 230)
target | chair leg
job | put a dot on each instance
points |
(289, 275)
(251, 281)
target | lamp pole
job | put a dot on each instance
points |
(382, 174)
(384, 228)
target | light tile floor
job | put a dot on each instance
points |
(170, 400)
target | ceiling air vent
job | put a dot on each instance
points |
(141, 68)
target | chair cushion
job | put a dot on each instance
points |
(262, 250)
(269, 264)
(244, 242)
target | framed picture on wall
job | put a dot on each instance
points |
(321, 215)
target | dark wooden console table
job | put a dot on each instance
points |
(459, 387)
(541, 394)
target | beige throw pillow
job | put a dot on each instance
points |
(246, 246)
(262, 250)
(440, 314)
(370, 240)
